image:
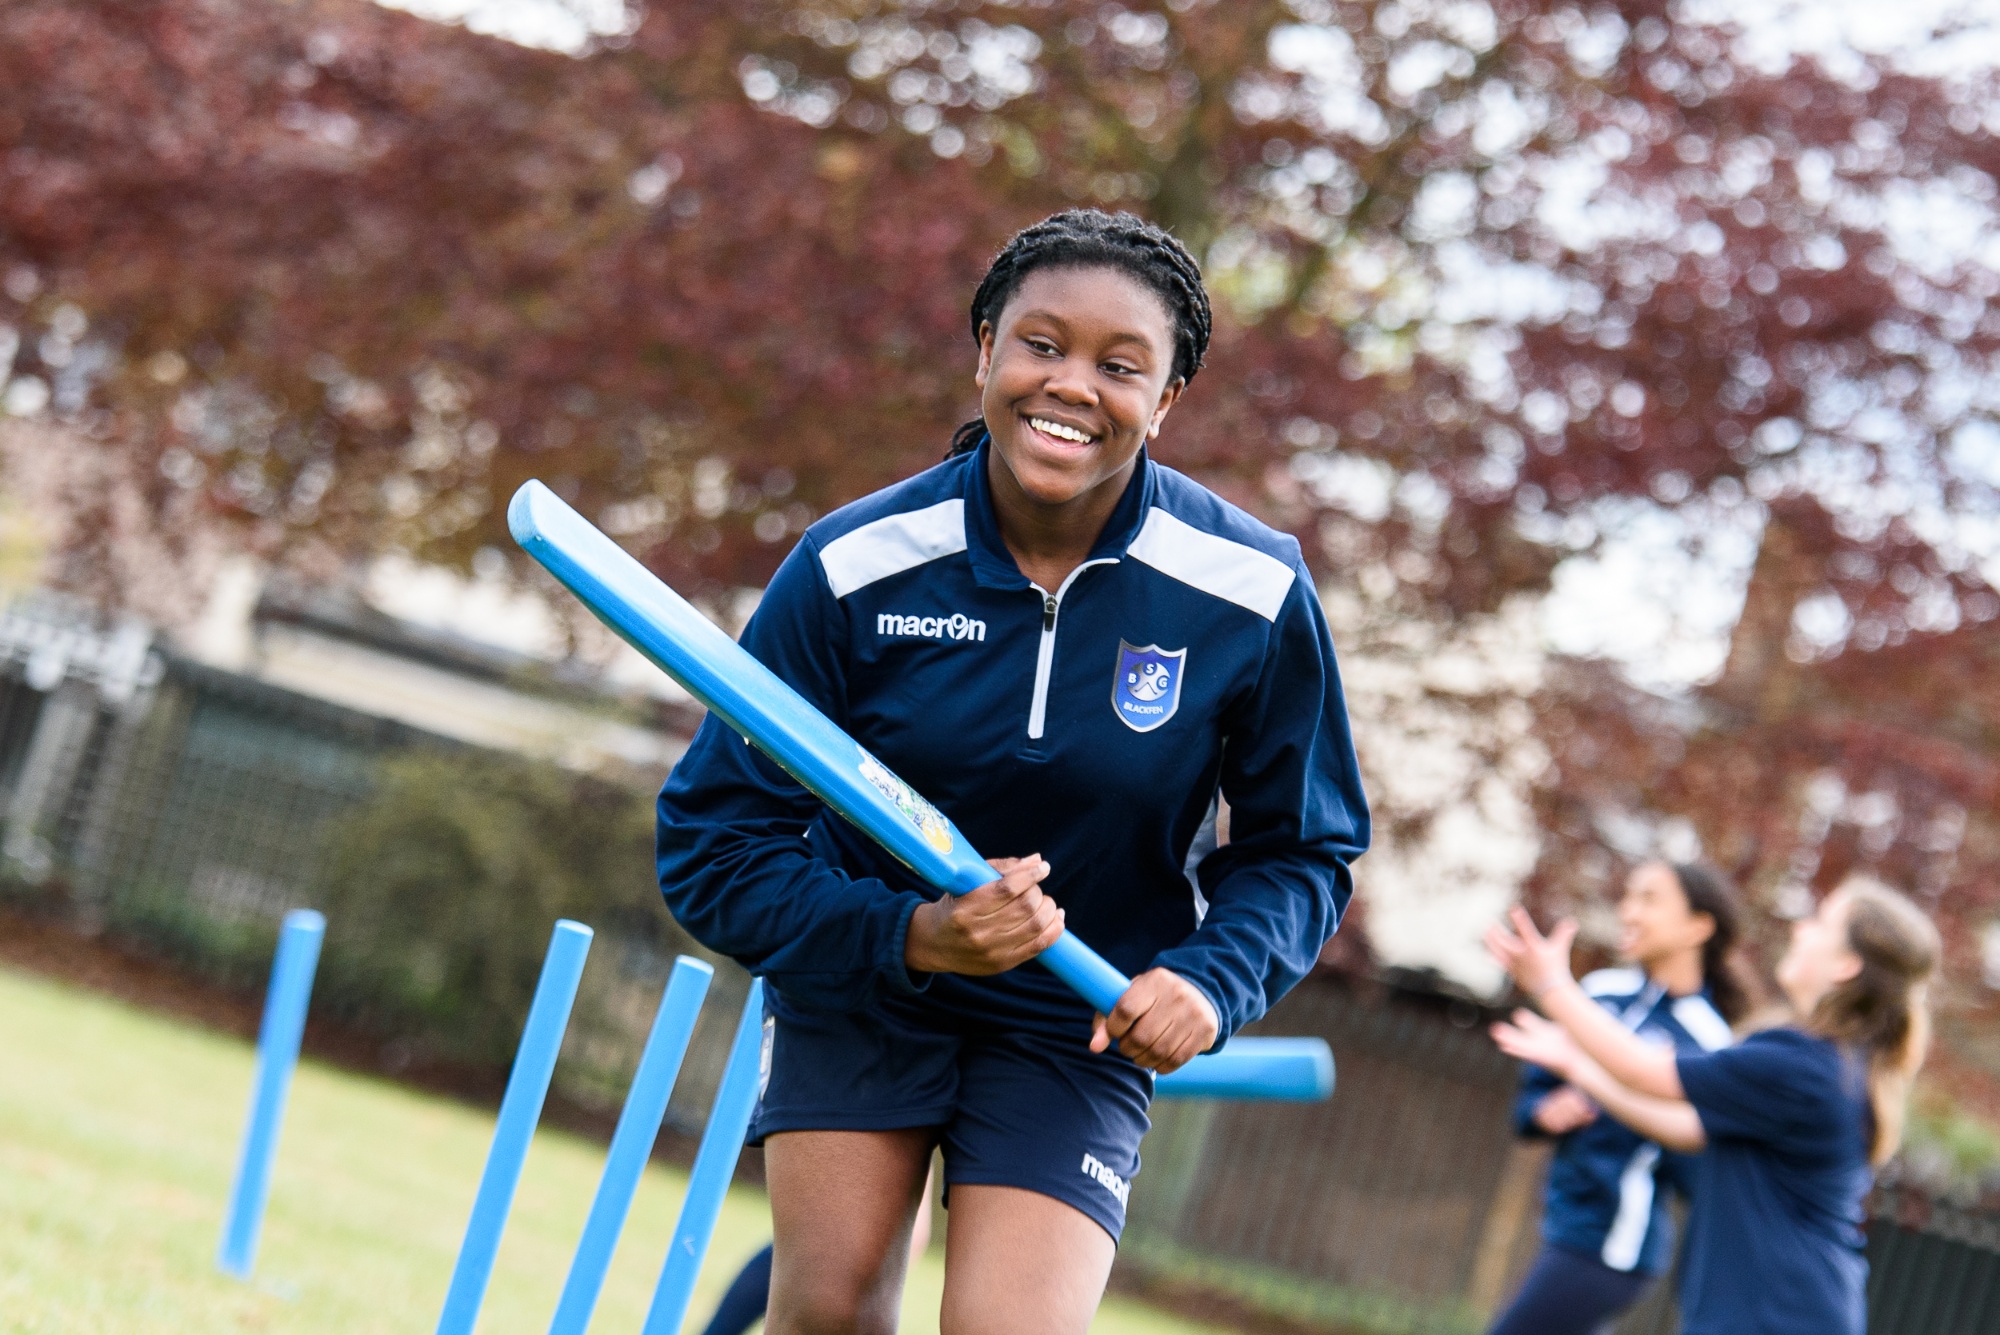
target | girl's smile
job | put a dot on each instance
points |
(1655, 920)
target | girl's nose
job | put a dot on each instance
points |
(1071, 384)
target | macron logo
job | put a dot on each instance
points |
(957, 626)
(1110, 1181)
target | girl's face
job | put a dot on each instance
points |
(1654, 919)
(1819, 958)
(1075, 379)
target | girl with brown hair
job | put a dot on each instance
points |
(1606, 1231)
(1789, 1122)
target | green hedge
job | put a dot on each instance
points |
(441, 888)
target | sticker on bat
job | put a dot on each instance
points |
(930, 822)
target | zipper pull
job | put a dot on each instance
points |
(1048, 612)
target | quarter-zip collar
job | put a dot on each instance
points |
(993, 565)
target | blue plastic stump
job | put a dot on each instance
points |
(714, 1165)
(520, 1109)
(277, 1055)
(632, 1142)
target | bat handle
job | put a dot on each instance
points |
(1086, 971)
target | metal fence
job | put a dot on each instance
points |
(163, 800)
(1402, 1205)
(1933, 1269)
(182, 809)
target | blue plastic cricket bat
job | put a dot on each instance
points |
(781, 723)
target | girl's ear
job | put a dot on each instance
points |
(985, 353)
(1705, 924)
(1168, 396)
(1846, 966)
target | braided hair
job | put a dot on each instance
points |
(1091, 238)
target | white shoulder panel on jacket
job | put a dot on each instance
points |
(1613, 982)
(1703, 1022)
(893, 544)
(1217, 566)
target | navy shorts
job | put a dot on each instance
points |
(1014, 1106)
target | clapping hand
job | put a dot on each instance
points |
(1536, 962)
(1540, 1042)
(1564, 1109)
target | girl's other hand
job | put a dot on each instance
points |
(990, 930)
(1564, 1109)
(1537, 962)
(1539, 1042)
(1162, 1022)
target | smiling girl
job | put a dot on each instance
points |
(1788, 1122)
(1075, 652)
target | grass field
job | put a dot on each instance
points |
(118, 1133)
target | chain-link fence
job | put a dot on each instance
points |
(181, 809)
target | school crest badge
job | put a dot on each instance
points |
(1147, 688)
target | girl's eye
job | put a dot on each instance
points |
(1043, 346)
(1117, 369)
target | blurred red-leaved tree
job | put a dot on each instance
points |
(1494, 276)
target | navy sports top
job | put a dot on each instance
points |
(1608, 1185)
(1094, 724)
(1774, 1237)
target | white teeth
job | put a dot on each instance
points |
(1058, 430)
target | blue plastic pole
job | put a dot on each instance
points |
(520, 1109)
(770, 715)
(1255, 1068)
(277, 1055)
(714, 1165)
(632, 1142)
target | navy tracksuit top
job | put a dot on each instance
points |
(1606, 1195)
(1094, 724)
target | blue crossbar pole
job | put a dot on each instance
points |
(714, 1166)
(1255, 1068)
(632, 1142)
(520, 1109)
(277, 1056)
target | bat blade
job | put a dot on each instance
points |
(673, 635)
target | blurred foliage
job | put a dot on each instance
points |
(1796, 767)
(1950, 1148)
(350, 276)
(440, 891)
(1494, 277)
